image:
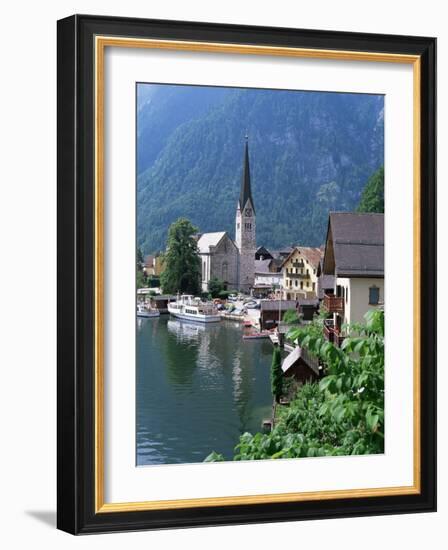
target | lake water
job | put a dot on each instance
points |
(199, 387)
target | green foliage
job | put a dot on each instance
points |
(309, 152)
(215, 287)
(181, 263)
(343, 414)
(224, 294)
(290, 317)
(140, 279)
(276, 374)
(140, 259)
(372, 198)
(214, 457)
(153, 281)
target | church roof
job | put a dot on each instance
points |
(209, 239)
(246, 192)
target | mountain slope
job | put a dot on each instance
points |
(309, 153)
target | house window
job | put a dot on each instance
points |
(314, 287)
(296, 282)
(374, 295)
(301, 284)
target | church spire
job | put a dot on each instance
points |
(246, 192)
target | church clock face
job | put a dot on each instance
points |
(248, 212)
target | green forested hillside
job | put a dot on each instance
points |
(310, 152)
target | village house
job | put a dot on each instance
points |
(354, 257)
(153, 265)
(299, 271)
(268, 276)
(148, 266)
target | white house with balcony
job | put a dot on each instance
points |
(354, 256)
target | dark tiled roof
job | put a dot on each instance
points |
(263, 251)
(276, 264)
(271, 305)
(324, 282)
(308, 302)
(313, 255)
(358, 244)
(262, 266)
(300, 353)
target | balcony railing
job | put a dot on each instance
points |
(298, 275)
(298, 263)
(334, 304)
(332, 333)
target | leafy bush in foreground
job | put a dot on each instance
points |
(343, 414)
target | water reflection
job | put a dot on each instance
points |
(198, 388)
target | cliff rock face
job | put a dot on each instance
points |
(310, 152)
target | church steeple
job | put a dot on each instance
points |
(246, 192)
(245, 221)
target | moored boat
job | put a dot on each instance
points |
(145, 311)
(193, 309)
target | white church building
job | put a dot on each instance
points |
(233, 262)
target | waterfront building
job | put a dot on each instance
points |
(268, 277)
(354, 257)
(300, 273)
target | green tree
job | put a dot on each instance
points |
(276, 374)
(215, 287)
(141, 279)
(153, 281)
(372, 198)
(140, 274)
(140, 259)
(181, 261)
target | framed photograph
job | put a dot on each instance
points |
(246, 274)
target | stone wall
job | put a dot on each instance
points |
(224, 262)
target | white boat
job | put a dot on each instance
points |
(144, 311)
(191, 308)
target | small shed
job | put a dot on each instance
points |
(272, 311)
(160, 302)
(301, 365)
(308, 307)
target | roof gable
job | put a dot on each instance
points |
(355, 245)
(208, 240)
